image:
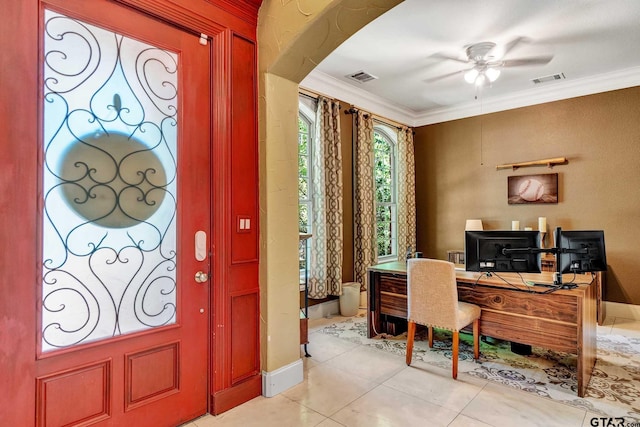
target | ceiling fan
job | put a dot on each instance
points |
(487, 61)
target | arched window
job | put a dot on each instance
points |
(306, 125)
(385, 176)
(305, 141)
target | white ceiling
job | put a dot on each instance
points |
(594, 43)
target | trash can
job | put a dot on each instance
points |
(350, 299)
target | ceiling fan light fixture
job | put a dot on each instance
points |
(482, 76)
(492, 74)
(471, 76)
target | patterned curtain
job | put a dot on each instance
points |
(364, 251)
(325, 262)
(406, 192)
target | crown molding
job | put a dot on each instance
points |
(322, 83)
(552, 91)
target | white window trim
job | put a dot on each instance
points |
(308, 115)
(391, 135)
(309, 200)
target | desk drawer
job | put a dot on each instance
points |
(393, 284)
(556, 307)
(534, 331)
(393, 295)
(393, 304)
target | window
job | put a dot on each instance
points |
(305, 187)
(386, 195)
(304, 174)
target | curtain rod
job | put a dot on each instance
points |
(306, 95)
(377, 118)
(308, 92)
(314, 96)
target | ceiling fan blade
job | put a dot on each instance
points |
(513, 43)
(534, 60)
(443, 76)
(452, 58)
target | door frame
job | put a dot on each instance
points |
(222, 21)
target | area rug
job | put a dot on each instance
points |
(614, 389)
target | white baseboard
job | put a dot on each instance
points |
(275, 382)
(627, 311)
(325, 309)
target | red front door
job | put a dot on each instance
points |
(123, 310)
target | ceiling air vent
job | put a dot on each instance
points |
(361, 76)
(551, 78)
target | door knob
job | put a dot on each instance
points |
(201, 277)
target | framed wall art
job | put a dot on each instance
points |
(541, 188)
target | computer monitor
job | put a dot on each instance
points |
(581, 251)
(502, 251)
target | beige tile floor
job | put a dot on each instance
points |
(347, 384)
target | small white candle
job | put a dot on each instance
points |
(528, 229)
(542, 224)
(515, 225)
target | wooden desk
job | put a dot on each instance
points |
(564, 320)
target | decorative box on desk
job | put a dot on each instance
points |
(456, 257)
(548, 262)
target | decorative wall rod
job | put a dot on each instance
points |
(545, 162)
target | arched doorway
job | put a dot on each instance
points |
(291, 40)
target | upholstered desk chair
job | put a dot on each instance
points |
(433, 302)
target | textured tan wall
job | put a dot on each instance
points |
(279, 225)
(295, 36)
(598, 189)
(279, 24)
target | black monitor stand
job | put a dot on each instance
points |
(558, 250)
(557, 276)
